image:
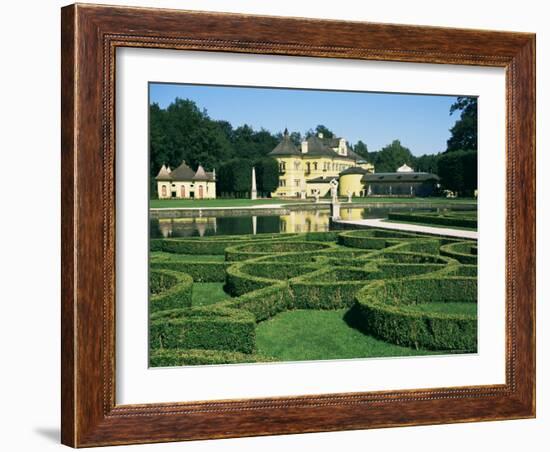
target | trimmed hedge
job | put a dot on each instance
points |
(169, 290)
(381, 309)
(264, 303)
(213, 328)
(167, 358)
(439, 220)
(464, 252)
(383, 277)
(210, 245)
(199, 271)
(264, 248)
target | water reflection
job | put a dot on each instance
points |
(295, 221)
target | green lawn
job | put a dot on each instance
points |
(430, 225)
(430, 200)
(319, 335)
(208, 293)
(204, 203)
(175, 203)
(188, 257)
(463, 308)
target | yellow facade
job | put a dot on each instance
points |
(184, 183)
(350, 184)
(307, 170)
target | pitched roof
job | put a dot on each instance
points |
(321, 180)
(399, 177)
(182, 173)
(405, 169)
(316, 146)
(201, 174)
(285, 146)
(354, 170)
(164, 173)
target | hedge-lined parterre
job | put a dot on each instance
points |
(404, 288)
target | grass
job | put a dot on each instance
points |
(319, 335)
(195, 203)
(462, 308)
(430, 200)
(208, 293)
(205, 203)
(430, 225)
(189, 257)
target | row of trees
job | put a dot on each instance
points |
(456, 166)
(184, 132)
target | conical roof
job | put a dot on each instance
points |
(201, 174)
(164, 174)
(285, 147)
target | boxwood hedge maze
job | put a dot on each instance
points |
(327, 295)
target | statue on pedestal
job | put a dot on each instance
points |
(334, 190)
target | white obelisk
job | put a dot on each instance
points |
(253, 194)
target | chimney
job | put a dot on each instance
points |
(320, 135)
(304, 147)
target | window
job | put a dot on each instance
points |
(282, 167)
(163, 190)
(282, 183)
(315, 166)
(297, 182)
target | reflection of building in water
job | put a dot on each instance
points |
(186, 227)
(351, 214)
(305, 221)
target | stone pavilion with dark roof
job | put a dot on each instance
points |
(183, 182)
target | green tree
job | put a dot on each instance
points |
(391, 157)
(267, 175)
(235, 177)
(458, 171)
(327, 133)
(464, 132)
(361, 149)
(426, 163)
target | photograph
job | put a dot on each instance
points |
(291, 224)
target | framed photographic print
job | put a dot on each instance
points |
(282, 225)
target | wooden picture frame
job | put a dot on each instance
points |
(90, 36)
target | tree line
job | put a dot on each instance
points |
(184, 132)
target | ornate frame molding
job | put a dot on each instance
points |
(90, 37)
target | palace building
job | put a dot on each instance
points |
(309, 169)
(183, 182)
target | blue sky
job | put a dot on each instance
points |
(421, 122)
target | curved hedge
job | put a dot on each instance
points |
(210, 245)
(465, 221)
(264, 248)
(465, 252)
(169, 290)
(392, 283)
(386, 309)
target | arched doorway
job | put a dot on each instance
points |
(201, 192)
(182, 191)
